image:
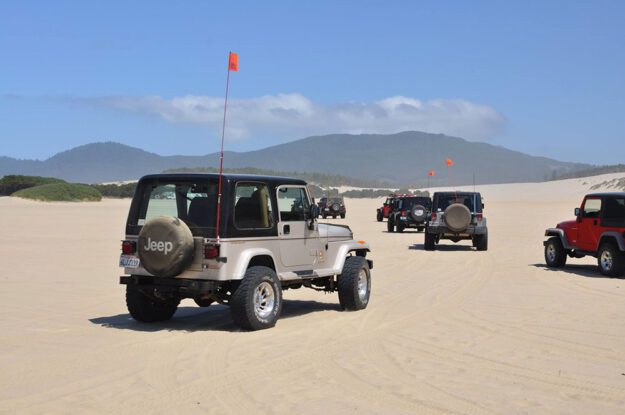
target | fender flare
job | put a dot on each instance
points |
(613, 235)
(560, 234)
(246, 256)
(346, 249)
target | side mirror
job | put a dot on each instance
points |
(577, 212)
(314, 213)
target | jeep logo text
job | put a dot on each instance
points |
(159, 246)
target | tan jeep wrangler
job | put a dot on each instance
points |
(269, 241)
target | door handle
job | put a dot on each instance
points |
(286, 229)
(595, 222)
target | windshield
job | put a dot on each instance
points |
(444, 200)
(195, 203)
(409, 202)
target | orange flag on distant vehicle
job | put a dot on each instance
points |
(431, 173)
(449, 162)
(233, 62)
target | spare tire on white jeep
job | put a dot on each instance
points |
(165, 246)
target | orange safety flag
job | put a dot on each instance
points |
(449, 162)
(431, 173)
(233, 62)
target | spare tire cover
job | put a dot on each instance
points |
(457, 217)
(336, 207)
(418, 212)
(165, 246)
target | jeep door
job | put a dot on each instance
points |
(299, 245)
(589, 231)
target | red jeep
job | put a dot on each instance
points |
(598, 231)
(383, 212)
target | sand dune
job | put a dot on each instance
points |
(450, 331)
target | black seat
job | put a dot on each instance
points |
(247, 212)
(202, 212)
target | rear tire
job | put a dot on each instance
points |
(256, 304)
(430, 241)
(481, 242)
(324, 215)
(420, 228)
(379, 216)
(146, 309)
(390, 224)
(354, 284)
(400, 226)
(611, 260)
(555, 254)
(342, 215)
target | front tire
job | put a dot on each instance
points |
(342, 215)
(256, 304)
(390, 224)
(611, 260)
(354, 284)
(379, 216)
(430, 241)
(555, 254)
(147, 309)
(400, 226)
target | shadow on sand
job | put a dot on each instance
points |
(588, 271)
(213, 318)
(443, 248)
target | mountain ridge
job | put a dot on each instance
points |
(402, 159)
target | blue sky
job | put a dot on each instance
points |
(545, 78)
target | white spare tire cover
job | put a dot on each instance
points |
(165, 246)
(418, 212)
(457, 217)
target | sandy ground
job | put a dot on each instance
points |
(450, 331)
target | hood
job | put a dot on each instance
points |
(335, 232)
(567, 224)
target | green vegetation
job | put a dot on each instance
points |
(60, 192)
(614, 184)
(116, 190)
(13, 183)
(595, 171)
(321, 179)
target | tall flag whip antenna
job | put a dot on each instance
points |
(233, 65)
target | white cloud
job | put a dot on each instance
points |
(294, 115)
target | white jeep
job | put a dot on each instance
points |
(269, 241)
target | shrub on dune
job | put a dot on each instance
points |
(60, 192)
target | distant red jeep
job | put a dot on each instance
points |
(383, 212)
(598, 231)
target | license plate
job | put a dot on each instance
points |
(327, 208)
(403, 218)
(128, 261)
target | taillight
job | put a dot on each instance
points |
(479, 216)
(129, 247)
(403, 213)
(433, 216)
(211, 251)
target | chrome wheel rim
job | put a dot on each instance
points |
(363, 285)
(264, 300)
(551, 253)
(606, 260)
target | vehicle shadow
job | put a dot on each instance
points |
(443, 248)
(213, 318)
(589, 271)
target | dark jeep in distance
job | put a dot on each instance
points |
(598, 230)
(457, 216)
(409, 212)
(268, 241)
(332, 206)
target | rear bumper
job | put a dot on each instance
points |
(444, 230)
(183, 287)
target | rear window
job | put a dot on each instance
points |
(195, 203)
(443, 201)
(409, 202)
